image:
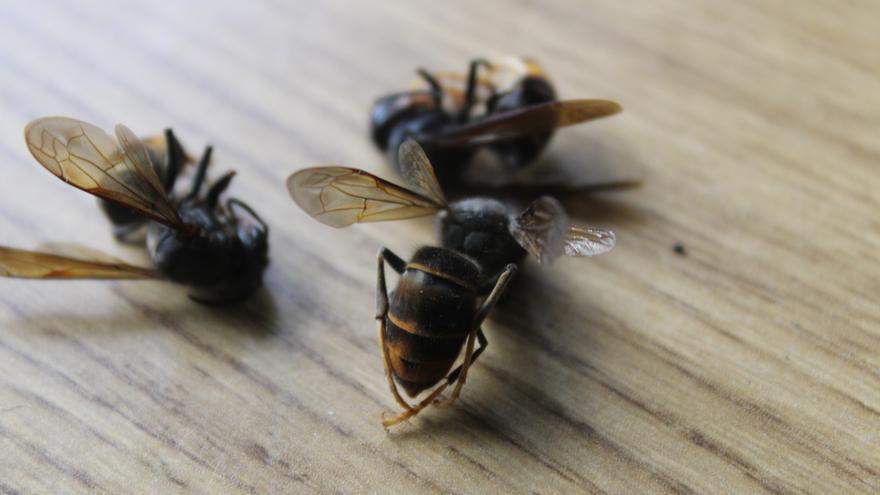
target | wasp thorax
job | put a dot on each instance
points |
(479, 228)
(200, 258)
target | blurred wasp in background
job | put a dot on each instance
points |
(196, 240)
(444, 293)
(511, 109)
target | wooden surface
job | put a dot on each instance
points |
(750, 365)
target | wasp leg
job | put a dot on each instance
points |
(217, 188)
(382, 311)
(412, 411)
(201, 170)
(241, 204)
(461, 370)
(459, 375)
(436, 89)
(396, 262)
(432, 399)
(471, 91)
(495, 295)
(386, 363)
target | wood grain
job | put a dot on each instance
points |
(749, 365)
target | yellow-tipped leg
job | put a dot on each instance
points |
(382, 312)
(462, 376)
(386, 362)
(412, 411)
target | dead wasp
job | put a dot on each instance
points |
(167, 157)
(519, 114)
(195, 240)
(444, 293)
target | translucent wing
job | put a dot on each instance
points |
(136, 151)
(88, 158)
(418, 172)
(588, 241)
(156, 144)
(542, 229)
(533, 119)
(341, 196)
(77, 251)
(18, 263)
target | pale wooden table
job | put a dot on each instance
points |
(750, 365)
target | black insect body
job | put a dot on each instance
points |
(226, 259)
(219, 250)
(480, 229)
(401, 116)
(518, 112)
(530, 87)
(444, 293)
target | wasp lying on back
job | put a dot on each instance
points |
(511, 109)
(218, 249)
(444, 293)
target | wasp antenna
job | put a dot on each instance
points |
(201, 171)
(470, 94)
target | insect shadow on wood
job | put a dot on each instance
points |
(253, 319)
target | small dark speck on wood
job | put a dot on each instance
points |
(679, 249)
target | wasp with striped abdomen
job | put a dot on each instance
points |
(444, 293)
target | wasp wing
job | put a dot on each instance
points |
(77, 251)
(86, 157)
(341, 196)
(588, 241)
(19, 263)
(541, 229)
(534, 119)
(136, 150)
(418, 172)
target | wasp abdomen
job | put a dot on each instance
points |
(390, 111)
(430, 316)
